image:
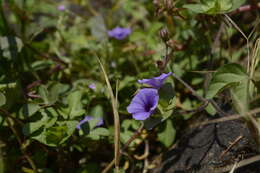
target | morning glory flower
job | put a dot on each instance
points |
(61, 7)
(144, 103)
(156, 82)
(92, 86)
(88, 118)
(119, 33)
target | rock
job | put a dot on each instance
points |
(199, 150)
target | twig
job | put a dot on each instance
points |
(228, 118)
(233, 168)
(28, 158)
(146, 153)
(239, 164)
(214, 104)
(199, 109)
(45, 56)
(190, 88)
(133, 137)
(230, 146)
(242, 33)
(8, 115)
(245, 8)
(131, 160)
(109, 166)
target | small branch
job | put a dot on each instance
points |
(246, 8)
(239, 164)
(190, 88)
(45, 56)
(23, 150)
(133, 137)
(230, 146)
(244, 35)
(214, 104)
(226, 118)
(199, 109)
(146, 153)
(8, 115)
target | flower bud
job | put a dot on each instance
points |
(164, 34)
(168, 4)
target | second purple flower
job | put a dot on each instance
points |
(88, 118)
(119, 33)
(156, 82)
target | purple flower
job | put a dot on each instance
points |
(119, 33)
(88, 118)
(92, 86)
(155, 82)
(61, 7)
(144, 103)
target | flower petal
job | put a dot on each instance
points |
(88, 118)
(144, 103)
(156, 82)
(141, 115)
(135, 107)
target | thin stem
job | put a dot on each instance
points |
(28, 158)
(246, 8)
(214, 104)
(116, 119)
(242, 33)
(190, 88)
(133, 137)
(226, 118)
(7, 114)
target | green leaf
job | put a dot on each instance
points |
(32, 127)
(196, 8)
(97, 111)
(236, 4)
(98, 27)
(71, 126)
(240, 96)
(75, 106)
(232, 76)
(51, 94)
(30, 109)
(214, 6)
(226, 76)
(96, 134)
(55, 135)
(44, 94)
(166, 94)
(2, 99)
(210, 109)
(167, 136)
(151, 122)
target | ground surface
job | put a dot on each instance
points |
(200, 149)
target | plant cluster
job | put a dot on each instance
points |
(77, 86)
